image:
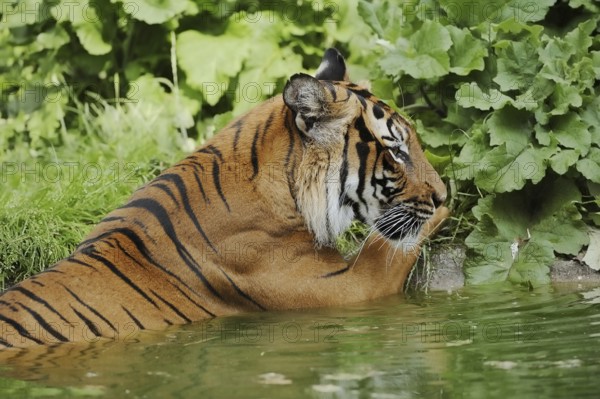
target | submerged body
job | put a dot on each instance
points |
(245, 223)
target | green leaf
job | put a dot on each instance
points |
(440, 135)
(470, 95)
(86, 22)
(557, 219)
(464, 166)
(517, 233)
(589, 5)
(564, 97)
(590, 165)
(571, 132)
(563, 160)
(467, 53)
(90, 36)
(592, 255)
(502, 170)
(423, 56)
(517, 64)
(154, 11)
(511, 127)
(368, 12)
(211, 61)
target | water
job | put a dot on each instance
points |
(492, 342)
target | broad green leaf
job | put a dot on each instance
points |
(87, 23)
(563, 160)
(473, 12)
(438, 136)
(590, 165)
(590, 5)
(467, 164)
(580, 38)
(368, 11)
(565, 96)
(423, 56)
(517, 65)
(503, 170)
(211, 61)
(467, 53)
(90, 36)
(154, 11)
(557, 219)
(518, 232)
(572, 132)
(592, 255)
(511, 127)
(470, 95)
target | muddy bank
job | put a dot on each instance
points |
(445, 272)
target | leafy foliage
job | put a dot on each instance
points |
(521, 82)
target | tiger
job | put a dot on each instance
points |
(248, 222)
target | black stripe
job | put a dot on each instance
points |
(266, 127)
(169, 322)
(362, 100)
(362, 150)
(162, 216)
(112, 219)
(156, 209)
(289, 126)
(172, 307)
(37, 283)
(44, 324)
(135, 320)
(254, 153)
(5, 343)
(217, 180)
(165, 188)
(122, 276)
(331, 89)
(71, 259)
(88, 307)
(238, 129)
(22, 331)
(39, 300)
(88, 322)
(242, 293)
(336, 273)
(183, 193)
(364, 133)
(362, 92)
(197, 166)
(191, 300)
(344, 169)
(10, 305)
(141, 247)
(211, 149)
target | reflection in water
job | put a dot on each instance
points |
(489, 342)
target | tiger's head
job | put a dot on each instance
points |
(361, 159)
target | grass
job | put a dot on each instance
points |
(55, 195)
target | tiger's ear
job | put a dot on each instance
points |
(333, 66)
(306, 96)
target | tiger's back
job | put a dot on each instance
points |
(232, 227)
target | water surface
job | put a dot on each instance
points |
(492, 342)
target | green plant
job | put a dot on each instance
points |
(505, 97)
